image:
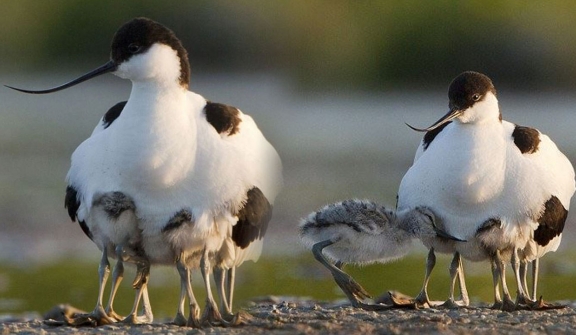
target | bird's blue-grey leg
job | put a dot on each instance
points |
(103, 273)
(530, 300)
(535, 268)
(146, 306)
(496, 283)
(180, 319)
(538, 303)
(464, 297)
(422, 300)
(220, 278)
(117, 276)
(354, 291)
(521, 297)
(523, 276)
(230, 280)
(186, 290)
(455, 269)
(211, 314)
(98, 316)
(507, 303)
(140, 284)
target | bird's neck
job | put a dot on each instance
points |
(159, 122)
(157, 89)
(156, 99)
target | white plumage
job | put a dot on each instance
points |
(190, 168)
(475, 170)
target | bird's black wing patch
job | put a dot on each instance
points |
(551, 222)
(225, 119)
(431, 135)
(253, 219)
(526, 139)
(72, 203)
(112, 114)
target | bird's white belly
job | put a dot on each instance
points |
(461, 181)
(162, 175)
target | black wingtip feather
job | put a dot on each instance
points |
(253, 219)
(551, 222)
(71, 202)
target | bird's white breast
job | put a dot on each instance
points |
(459, 177)
(164, 155)
(472, 173)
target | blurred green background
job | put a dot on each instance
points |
(352, 44)
(330, 84)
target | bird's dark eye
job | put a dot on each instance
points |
(476, 97)
(133, 48)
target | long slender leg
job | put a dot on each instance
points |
(146, 306)
(103, 273)
(538, 303)
(98, 316)
(523, 276)
(219, 279)
(422, 299)
(495, 281)
(464, 298)
(535, 269)
(186, 289)
(211, 313)
(507, 303)
(117, 276)
(140, 284)
(180, 319)
(230, 279)
(132, 317)
(454, 270)
(521, 298)
(354, 291)
(229, 315)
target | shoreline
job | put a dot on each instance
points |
(289, 315)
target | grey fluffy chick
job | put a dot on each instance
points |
(363, 232)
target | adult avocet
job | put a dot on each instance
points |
(498, 185)
(166, 176)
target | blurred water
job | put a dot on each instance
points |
(334, 145)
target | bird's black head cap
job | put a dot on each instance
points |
(468, 88)
(133, 38)
(138, 35)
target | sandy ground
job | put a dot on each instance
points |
(291, 315)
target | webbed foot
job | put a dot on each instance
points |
(539, 305)
(194, 320)
(403, 301)
(136, 320)
(98, 317)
